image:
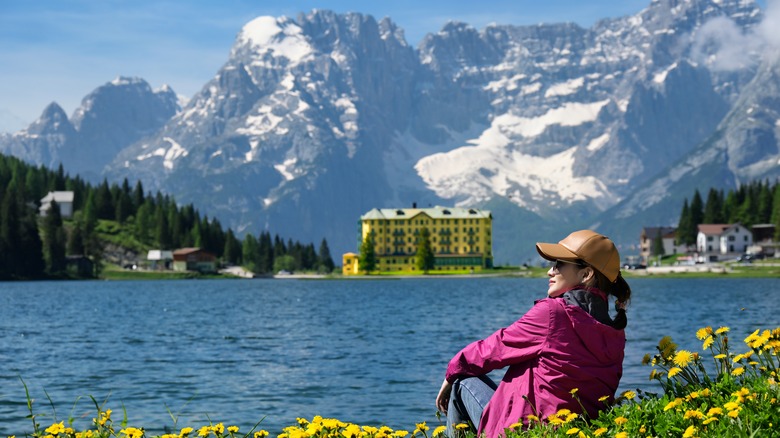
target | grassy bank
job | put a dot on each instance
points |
(735, 395)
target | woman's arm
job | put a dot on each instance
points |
(522, 340)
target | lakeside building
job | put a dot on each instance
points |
(460, 238)
(194, 259)
(722, 241)
(668, 237)
(64, 201)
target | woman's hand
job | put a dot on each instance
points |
(443, 399)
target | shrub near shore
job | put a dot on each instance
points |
(730, 394)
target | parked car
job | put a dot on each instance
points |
(630, 266)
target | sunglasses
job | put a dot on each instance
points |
(557, 264)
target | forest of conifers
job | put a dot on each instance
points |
(753, 203)
(34, 247)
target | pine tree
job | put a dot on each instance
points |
(266, 251)
(76, 237)
(162, 231)
(54, 241)
(249, 254)
(324, 260)
(658, 245)
(764, 214)
(232, 252)
(713, 209)
(367, 258)
(425, 259)
(684, 234)
(697, 212)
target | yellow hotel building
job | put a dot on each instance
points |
(461, 238)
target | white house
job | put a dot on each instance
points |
(160, 259)
(723, 239)
(63, 199)
(668, 239)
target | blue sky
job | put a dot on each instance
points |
(60, 50)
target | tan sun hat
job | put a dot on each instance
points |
(586, 245)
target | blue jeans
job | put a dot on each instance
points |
(469, 397)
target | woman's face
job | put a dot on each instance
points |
(563, 276)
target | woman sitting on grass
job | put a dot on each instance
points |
(565, 342)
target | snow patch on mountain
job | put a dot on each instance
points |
(279, 38)
(570, 114)
(287, 168)
(492, 166)
(173, 153)
(565, 88)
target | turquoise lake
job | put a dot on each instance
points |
(238, 351)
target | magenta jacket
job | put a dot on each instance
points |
(551, 350)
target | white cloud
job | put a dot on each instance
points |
(721, 44)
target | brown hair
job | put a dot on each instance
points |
(620, 290)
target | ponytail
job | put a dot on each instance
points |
(622, 293)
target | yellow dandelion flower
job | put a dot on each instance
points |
(572, 431)
(674, 371)
(56, 428)
(642, 429)
(401, 433)
(563, 412)
(682, 358)
(132, 432)
(516, 425)
(552, 419)
(439, 430)
(734, 413)
(532, 417)
(708, 341)
(722, 330)
(689, 432)
(731, 406)
(232, 429)
(703, 333)
(628, 395)
(720, 356)
(603, 398)
(185, 431)
(621, 435)
(693, 414)
(646, 359)
(621, 421)
(573, 391)
(738, 371)
(353, 430)
(673, 404)
(261, 434)
(600, 431)
(420, 427)
(461, 426)
(204, 431)
(741, 392)
(709, 420)
(714, 411)
(570, 418)
(706, 392)
(653, 375)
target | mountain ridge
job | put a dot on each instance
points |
(313, 121)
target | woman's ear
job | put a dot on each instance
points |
(587, 274)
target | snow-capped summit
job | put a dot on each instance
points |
(314, 120)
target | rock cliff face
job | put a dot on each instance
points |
(315, 120)
(109, 119)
